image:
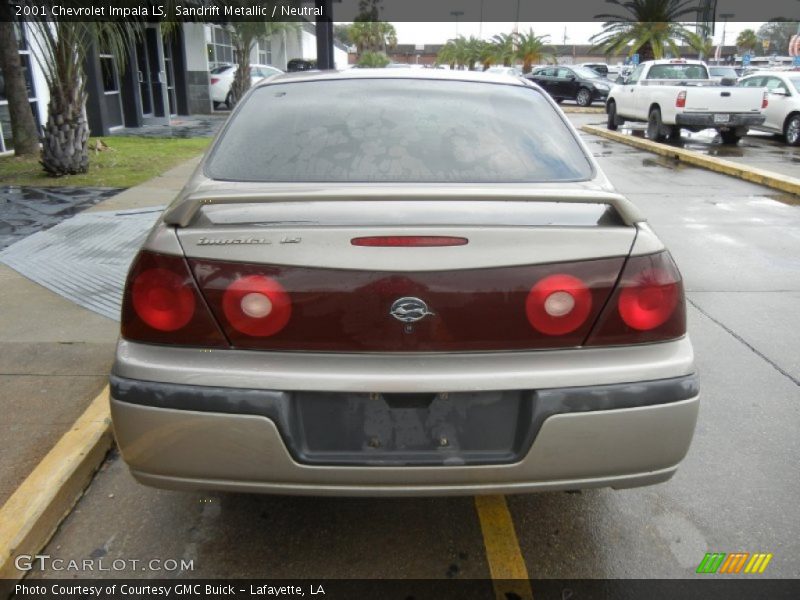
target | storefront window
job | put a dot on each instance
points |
(109, 73)
(264, 52)
(220, 47)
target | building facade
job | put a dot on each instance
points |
(38, 94)
(163, 77)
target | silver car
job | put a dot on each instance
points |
(402, 282)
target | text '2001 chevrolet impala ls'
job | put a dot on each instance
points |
(397, 283)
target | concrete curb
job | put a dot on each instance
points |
(771, 179)
(590, 110)
(30, 517)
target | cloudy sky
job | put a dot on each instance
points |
(577, 33)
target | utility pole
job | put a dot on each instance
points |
(724, 17)
(457, 14)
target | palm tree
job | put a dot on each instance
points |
(23, 125)
(372, 59)
(461, 52)
(245, 34)
(486, 54)
(700, 43)
(504, 49)
(747, 40)
(647, 27)
(532, 49)
(473, 52)
(374, 36)
(61, 51)
(448, 55)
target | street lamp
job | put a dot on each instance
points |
(456, 14)
(724, 17)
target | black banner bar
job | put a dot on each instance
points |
(512, 11)
(702, 588)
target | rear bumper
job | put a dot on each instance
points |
(198, 437)
(220, 91)
(706, 120)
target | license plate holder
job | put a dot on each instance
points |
(408, 429)
(722, 118)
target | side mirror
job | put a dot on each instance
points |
(571, 77)
(728, 81)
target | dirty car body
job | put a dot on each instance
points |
(355, 294)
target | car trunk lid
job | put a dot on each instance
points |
(325, 292)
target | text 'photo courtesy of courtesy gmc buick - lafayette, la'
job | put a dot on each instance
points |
(672, 94)
(357, 294)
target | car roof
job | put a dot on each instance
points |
(421, 74)
(678, 61)
(765, 73)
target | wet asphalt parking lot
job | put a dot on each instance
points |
(738, 246)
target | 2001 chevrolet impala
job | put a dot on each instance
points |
(402, 283)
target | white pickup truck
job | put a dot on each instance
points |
(674, 94)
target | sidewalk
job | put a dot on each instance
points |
(54, 355)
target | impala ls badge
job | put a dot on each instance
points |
(409, 310)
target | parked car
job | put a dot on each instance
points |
(354, 294)
(719, 73)
(512, 71)
(581, 84)
(221, 80)
(300, 64)
(614, 72)
(601, 68)
(676, 93)
(782, 112)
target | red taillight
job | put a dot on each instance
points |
(162, 305)
(214, 80)
(558, 304)
(163, 299)
(257, 306)
(409, 241)
(680, 101)
(648, 304)
(764, 101)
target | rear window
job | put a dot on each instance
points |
(677, 71)
(397, 130)
(588, 73)
(723, 72)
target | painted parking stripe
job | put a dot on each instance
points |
(506, 565)
(31, 515)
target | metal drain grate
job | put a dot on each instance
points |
(86, 258)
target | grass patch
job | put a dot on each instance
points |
(128, 162)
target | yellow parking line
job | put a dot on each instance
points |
(777, 181)
(506, 565)
(31, 515)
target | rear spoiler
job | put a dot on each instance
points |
(181, 212)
